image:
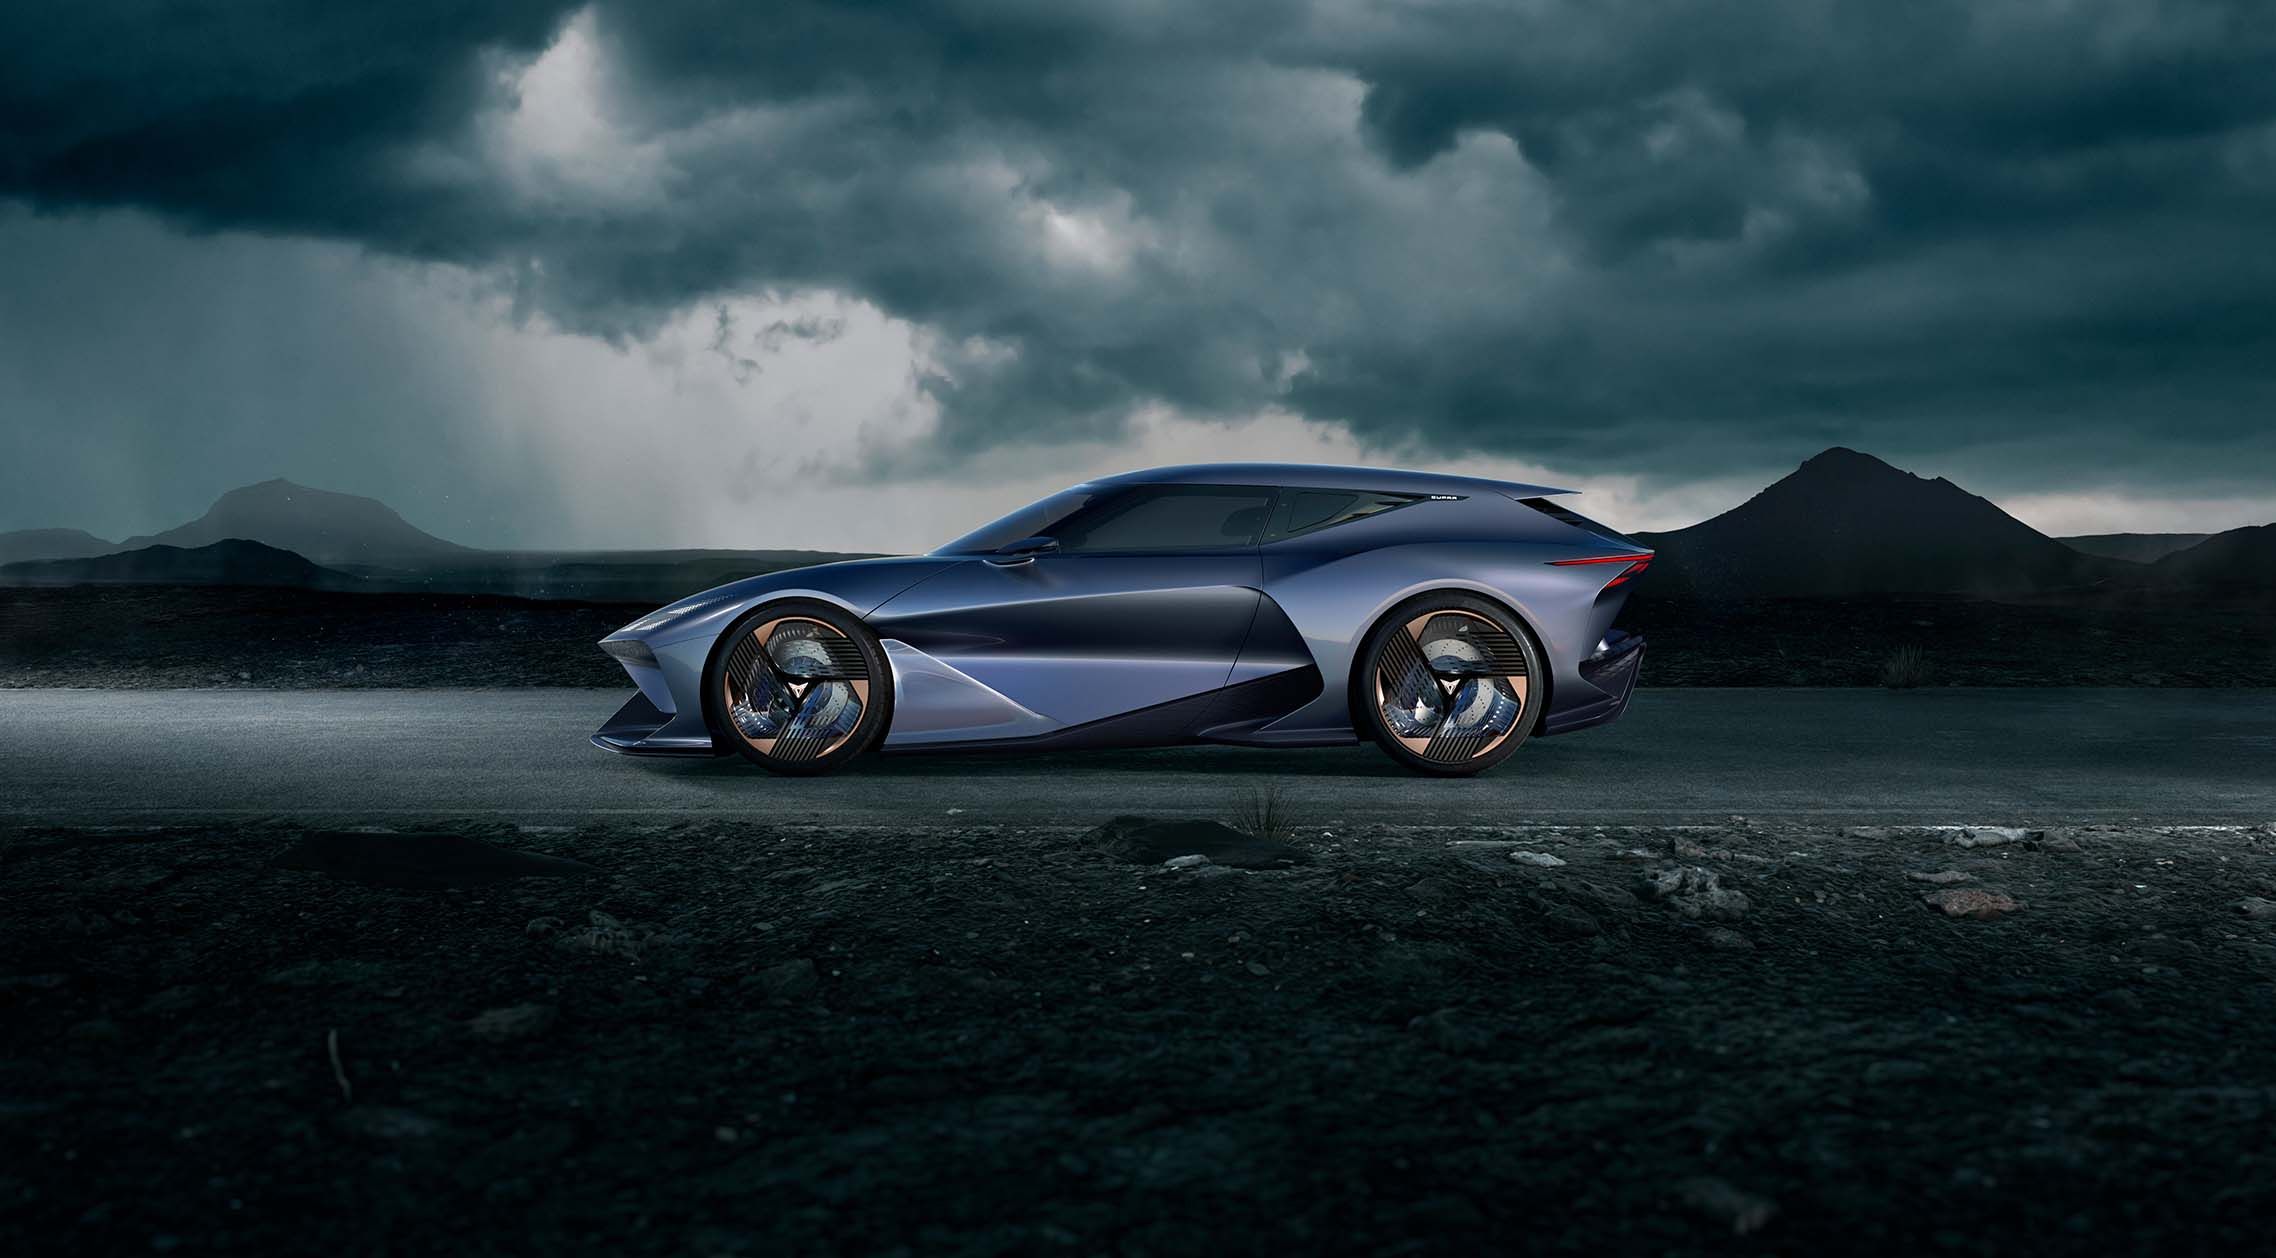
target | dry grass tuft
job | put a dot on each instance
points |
(1905, 669)
(1264, 815)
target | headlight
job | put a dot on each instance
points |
(665, 615)
(629, 651)
(653, 620)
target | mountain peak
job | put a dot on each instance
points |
(1845, 522)
(1837, 456)
(279, 487)
(326, 526)
(1843, 463)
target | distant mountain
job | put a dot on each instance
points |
(326, 527)
(2244, 556)
(1845, 524)
(2133, 547)
(30, 544)
(365, 544)
(232, 562)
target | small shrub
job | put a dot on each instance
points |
(1905, 669)
(1264, 815)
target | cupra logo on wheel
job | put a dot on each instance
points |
(1267, 605)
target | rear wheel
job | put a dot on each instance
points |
(1448, 684)
(799, 687)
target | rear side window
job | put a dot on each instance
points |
(1300, 511)
(1169, 517)
(1566, 515)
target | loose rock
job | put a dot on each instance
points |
(1431, 890)
(1716, 1199)
(1971, 902)
(386, 1124)
(1943, 877)
(788, 980)
(2257, 908)
(1187, 861)
(1698, 894)
(1542, 859)
(1566, 922)
(1451, 1031)
(1144, 841)
(1990, 836)
(95, 1031)
(512, 1022)
(1724, 939)
(605, 936)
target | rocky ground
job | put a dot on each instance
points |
(2199, 641)
(175, 637)
(172, 637)
(727, 1039)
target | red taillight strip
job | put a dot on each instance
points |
(1636, 565)
(1569, 563)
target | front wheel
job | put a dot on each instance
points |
(799, 687)
(1448, 684)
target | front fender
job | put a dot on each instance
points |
(857, 585)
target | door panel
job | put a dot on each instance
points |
(1076, 638)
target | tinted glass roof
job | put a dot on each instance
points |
(1326, 476)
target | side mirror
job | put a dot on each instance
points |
(1013, 554)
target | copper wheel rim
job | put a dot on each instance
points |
(795, 688)
(1451, 685)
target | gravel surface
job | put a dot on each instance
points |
(728, 1038)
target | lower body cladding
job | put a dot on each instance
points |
(1610, 676)
(939, 706)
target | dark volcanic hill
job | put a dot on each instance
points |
(2244, 556)
(25, 545)
(352, 538)
(326, 527)
(2136, 547)
(232, 562)
(1846, 524)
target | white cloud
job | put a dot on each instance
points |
(2116, 511)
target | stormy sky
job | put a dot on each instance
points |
(857, 275)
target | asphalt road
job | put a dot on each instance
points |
(2001, 756)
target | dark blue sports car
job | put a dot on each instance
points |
(1266, 605)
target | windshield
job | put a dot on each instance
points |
(1028, 521)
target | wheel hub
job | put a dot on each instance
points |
(796, 688)
(1451, 685)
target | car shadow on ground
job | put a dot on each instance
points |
(1340, 762)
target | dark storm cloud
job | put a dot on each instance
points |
(1680, 236)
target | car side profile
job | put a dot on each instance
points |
(1447, 618)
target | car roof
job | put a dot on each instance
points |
(1327, 476)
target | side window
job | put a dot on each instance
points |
(1566, 515)
(1169, 517)
(1310, 510)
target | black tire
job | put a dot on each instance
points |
(796, 709)
(1463, 708)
